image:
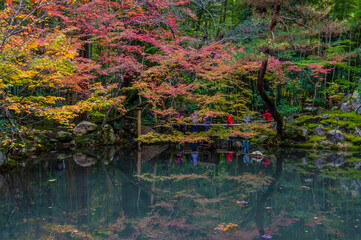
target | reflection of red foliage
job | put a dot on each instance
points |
(281, 220)
(316, 221)
(330, 229)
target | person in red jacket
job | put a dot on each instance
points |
(229, 120)
(268, 116)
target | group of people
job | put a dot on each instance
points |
(208, 120)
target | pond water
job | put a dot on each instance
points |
(183, 193)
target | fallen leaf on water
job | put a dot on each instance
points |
(52, 180)
(241, 202)
(268, 207)
(225, 226)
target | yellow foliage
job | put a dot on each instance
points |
(225, 226)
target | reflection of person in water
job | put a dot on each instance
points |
(194, 157)
(246, 159)
(194, 122)
(60, 166)
(194, 153)
(267, 162)
(179, 157)
(246, 141)
(229, 156)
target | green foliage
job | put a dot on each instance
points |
(285, 109)
(4, 124)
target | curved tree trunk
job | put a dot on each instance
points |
(261, 76)
(272, 107)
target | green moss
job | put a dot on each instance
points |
(354, 148)
(351, 116)
(341, 123)
(334, 147)
(353, 159)
(315, 138)
(303, 118)
(326, 121)
(312, 125)
(348, 125)
(82, 140)
(304, 145)
(355, 139)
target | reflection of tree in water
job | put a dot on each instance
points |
(191, 204)
(172, 200)
(262, 197)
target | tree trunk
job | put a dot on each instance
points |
(225, 12)
(272, 107)
(261, 77)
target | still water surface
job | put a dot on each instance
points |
(174, 193)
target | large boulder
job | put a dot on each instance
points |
(63, 136)
(357, 131)
(84, 127)
(335, 136)
(356, 96)
(83, 160)
(290, 119)
(314, 120)
(304, 133)
(147, 129)
(358, 108)
(345, 145)
(346, 107)
(310, 110)
(107, 154)
(320, 130)
(257, 156)
(325, 116)
(335, 159)
(325, 143)
(297, 134)
(320, 162)
(106, 135)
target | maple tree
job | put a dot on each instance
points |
(70, 60)
(277, 67)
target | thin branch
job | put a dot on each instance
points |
(295, 21)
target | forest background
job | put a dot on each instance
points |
(170, 63)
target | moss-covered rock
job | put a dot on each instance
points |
(106, 135)
(85, 140)
(344, 145)
(63, 136)
(320, 130)
(297, 133)
(84, 127)
(335, 136)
